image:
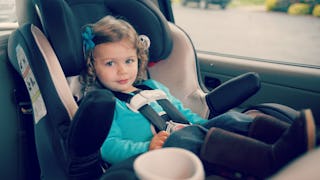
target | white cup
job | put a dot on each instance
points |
(169, 163)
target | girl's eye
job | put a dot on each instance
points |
(109, 63)
(129, 61)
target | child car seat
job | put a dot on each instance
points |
(58, 54)
(170, 47)
(56, 114)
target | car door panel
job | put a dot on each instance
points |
(294, 86)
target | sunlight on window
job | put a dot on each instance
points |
(8, 18)
(260, 29)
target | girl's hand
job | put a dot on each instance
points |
(158, 140)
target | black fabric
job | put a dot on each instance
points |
(84, 168)
(88, 131)
(147, 19)
(26, 138)
(64, 34)
(142, 14)
(91, 123)
(232, 93)
(284, 113)
(121, 171)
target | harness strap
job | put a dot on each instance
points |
(148, 112)
(172, 113)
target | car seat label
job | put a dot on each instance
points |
(38, 106)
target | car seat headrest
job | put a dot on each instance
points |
(62, 21)
(26, 13)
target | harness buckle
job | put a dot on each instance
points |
(173, 126)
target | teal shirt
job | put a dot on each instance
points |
(131, 132)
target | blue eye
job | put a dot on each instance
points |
(129, 61)
(109, 63)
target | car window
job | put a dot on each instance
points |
(265, 30)
(8, 18)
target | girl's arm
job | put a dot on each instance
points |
(116, 149)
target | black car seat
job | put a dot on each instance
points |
(170, 47)
(56, 115)
(52, 56)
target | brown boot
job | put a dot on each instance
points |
(298, 139)
(238, 153)
(267, 128)
(253, 157)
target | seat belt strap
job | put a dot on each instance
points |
(140, 103)
(172, 111)
(148, 112)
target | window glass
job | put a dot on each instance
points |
(259, 29)
(8, 19)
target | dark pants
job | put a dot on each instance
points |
(231, 121)
(192, 137)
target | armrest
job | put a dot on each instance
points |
(232, 93)
(279, 111)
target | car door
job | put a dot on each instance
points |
(247, 38)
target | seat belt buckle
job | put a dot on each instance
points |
(25, 107)
(173, 126)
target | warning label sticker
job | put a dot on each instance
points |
(39, 109)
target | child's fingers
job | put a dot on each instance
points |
(163, 134)
(158, 140)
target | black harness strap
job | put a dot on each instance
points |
(153, 117)
(172, 113)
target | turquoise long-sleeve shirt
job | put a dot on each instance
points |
(130, 133)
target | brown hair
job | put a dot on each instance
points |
(110, 29)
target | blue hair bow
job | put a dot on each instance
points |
(87, 37)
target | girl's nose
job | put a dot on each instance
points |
(122, 68)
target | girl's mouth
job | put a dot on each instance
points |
(123, 81)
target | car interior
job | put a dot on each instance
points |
(42, 58)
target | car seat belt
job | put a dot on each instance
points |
(140, 102)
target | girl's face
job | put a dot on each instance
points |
(116, 65)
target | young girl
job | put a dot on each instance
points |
(117, 59)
